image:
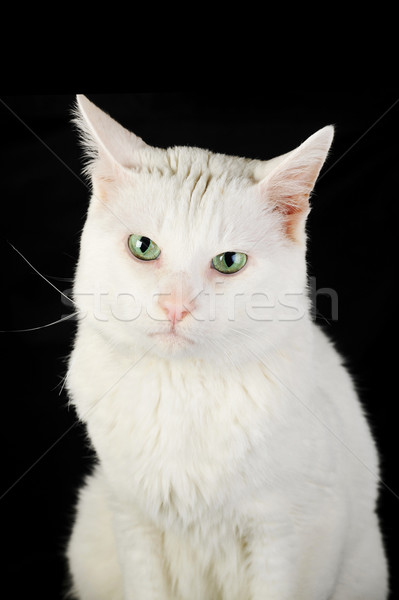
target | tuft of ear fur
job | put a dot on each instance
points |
(287, 187)
(109, 148)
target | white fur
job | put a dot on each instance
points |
(235, 463)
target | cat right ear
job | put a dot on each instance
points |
(288, 185)
(109, 148)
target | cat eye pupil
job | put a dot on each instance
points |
(144, 243)
(229, 258)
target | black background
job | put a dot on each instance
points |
(352, 249)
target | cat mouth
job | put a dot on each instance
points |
(172, 337)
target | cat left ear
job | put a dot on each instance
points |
(287, 187)
(108, 146)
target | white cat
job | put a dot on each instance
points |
(234, 458)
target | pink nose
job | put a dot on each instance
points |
(174, 310)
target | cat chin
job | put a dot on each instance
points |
(171, 343)
(177, 347)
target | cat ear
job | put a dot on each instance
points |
(287, 187)
(109, 147)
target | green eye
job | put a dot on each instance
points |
(229, 262)
(143, 248)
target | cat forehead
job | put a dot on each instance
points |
(186, 161)
(190, 186)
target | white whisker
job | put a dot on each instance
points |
(53, 286)
(41, 274)
(40, 326)
(63, 383)
(67, 279)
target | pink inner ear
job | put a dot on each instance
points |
(288, 191)
(287, 187)
(289, 196)
(294, 211)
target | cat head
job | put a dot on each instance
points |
(190, 253)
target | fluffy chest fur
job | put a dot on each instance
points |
(185, 439)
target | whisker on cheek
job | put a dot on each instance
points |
(66, 318)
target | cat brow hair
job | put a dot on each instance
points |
(205, 179)
(198, 179)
